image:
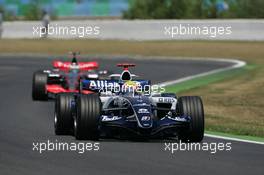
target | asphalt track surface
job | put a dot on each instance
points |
(24, 122)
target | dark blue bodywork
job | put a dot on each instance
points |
(143, 122)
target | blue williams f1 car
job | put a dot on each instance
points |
(118, 109)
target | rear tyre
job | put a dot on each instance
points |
(87, 119)
(192, 106)
(63, 120)
(39, 83)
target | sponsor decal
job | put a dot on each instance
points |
(145, 118)
(102, 84)
(54, 75)
(106, 118)
(143, 111)
(166, 100)
(141, 104)
(47, 71)
(178, 119)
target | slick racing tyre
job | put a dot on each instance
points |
(87, 118)
(192, 106)
(39, 83)
(63, 120)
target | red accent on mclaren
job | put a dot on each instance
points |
(83, 66)
(55, 89)
(87, 92)
(126, 65)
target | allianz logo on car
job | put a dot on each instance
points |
(103, 83)
(112, 84)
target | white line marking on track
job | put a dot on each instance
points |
(233, 139)
(237, 64)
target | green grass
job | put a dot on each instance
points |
(205, 80)
(229, 125)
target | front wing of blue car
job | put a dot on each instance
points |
(112, 126)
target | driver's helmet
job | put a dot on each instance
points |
(74, 67)
(130, 87)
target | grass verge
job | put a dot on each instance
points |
(205, 80)
(214, 128)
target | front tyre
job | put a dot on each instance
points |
(39, 83)
(63, 120)
(87, 119)
(192, 106)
